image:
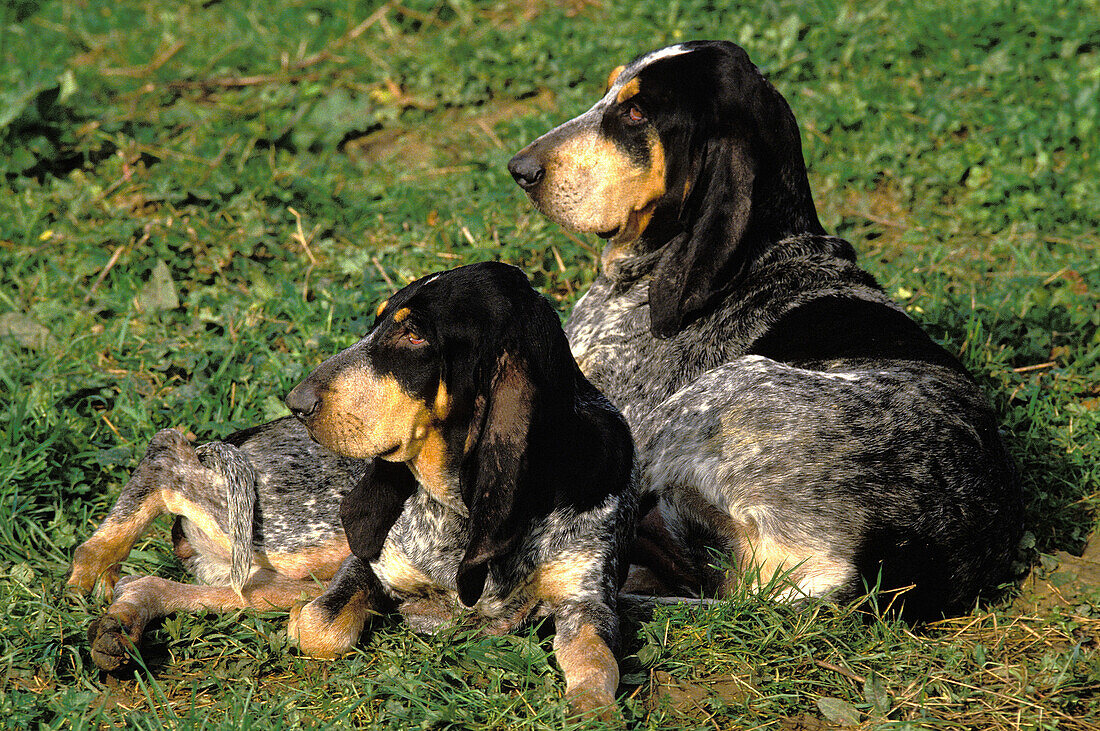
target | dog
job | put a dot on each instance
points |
(515, 476)
(452, 463)
(787, 414)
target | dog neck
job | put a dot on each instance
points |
(625, 264)
(436, 476)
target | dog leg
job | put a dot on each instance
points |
(658, 561)
(331, 624)
(587, 633)
(140, 600)
(168, 462)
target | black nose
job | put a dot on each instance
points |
(527, 171)
(303, 400)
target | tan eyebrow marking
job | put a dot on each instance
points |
(401, 314)
(614, 75)
(381, 307)
(630, 88)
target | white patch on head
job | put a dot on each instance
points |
(666, 52)
(632, 70)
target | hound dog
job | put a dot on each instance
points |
(458, 451)
(786, 412)
(514, 475)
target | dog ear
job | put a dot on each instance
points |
(494, 471)
(747, 188)
(700, 263)
(373, 506)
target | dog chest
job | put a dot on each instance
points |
(562, 558)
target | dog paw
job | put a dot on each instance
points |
(320, 633)
(594, 705)
(88, 571)
(81, 581)
(110, 643)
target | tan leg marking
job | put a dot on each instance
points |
(178, 504)
(806, 571)
(396, 570)
(98, 558)
(318, 636)
(760, 557)
(141, 600)
(558, 580)
(591, 674)
(170, 465)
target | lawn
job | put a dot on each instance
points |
(202, 200)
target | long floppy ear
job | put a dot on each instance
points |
(697, 265)
(751, 189)
(494, 471)
(373, 506)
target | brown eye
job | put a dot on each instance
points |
(633, 114)
(414, 340)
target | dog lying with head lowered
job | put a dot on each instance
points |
(460, 466)
(787, 414)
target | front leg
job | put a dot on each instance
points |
(331, 624)
(587, 637)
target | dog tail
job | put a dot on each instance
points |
(240, 498)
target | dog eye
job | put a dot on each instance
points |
(414, 340)
(632, 114)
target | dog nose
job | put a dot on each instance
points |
(304, 401)
(527, 171)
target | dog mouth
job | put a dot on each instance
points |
(390, 452)
(609, 234)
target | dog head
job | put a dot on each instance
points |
(690, 164)
(460, 373)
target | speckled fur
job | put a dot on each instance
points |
(786, 412)
(257, 513)
(286, 490)
(432, 535)
(820, 455)
(511, 487)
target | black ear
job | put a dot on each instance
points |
(494, 472)
(373, 506)
(698, 264)
(747, 187)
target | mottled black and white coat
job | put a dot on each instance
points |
(256, 522)
(786, 412)
(501, 488)
(454, 465)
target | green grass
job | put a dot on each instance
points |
(201, 200)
